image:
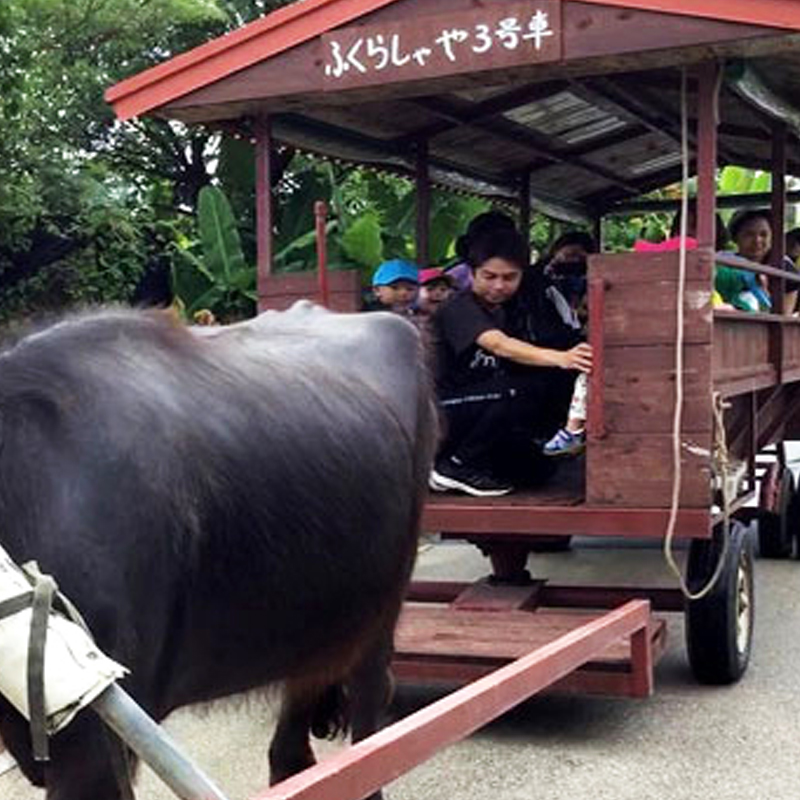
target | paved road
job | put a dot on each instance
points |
(686, 743)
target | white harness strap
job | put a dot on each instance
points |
(49, 666)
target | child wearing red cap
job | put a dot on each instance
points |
(435, 287)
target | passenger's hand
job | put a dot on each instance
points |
(580, 358)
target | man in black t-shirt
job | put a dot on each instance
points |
(496, 391)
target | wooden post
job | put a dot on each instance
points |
(423, 185)
(264, 204)
(597, 232)
(708, 120)
(778, 285)
(595, 422)
(525, 204)
(321, 221)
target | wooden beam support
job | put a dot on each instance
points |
(540, 146)
(264, 203)
(708, 75)
(645, 109)
(778, 204)
(480, 111)
(525, 203)
(725, 201)
(480, 519)
(777, 285)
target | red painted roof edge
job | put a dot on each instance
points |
(767, 13)
(257, 41)
(294, 24)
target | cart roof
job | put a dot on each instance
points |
(581, 98)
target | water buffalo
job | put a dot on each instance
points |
(229, 508)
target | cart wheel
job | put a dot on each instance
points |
(775, 532)
(793, 524)
(719, 628)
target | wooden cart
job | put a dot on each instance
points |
(575, 108)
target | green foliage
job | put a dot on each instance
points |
(372, 217)
(217, 277)
(218, 235)
(60, 146)
(362, 241)
(737, 180)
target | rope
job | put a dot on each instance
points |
(720, 449)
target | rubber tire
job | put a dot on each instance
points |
(793, 524)
(774, 527)
(712, 623)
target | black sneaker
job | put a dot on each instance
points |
(452, 475)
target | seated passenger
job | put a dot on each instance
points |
(435, 287)
(566, 270)
(496, 391)
(751, 231)
(461, 273)
(394, 286)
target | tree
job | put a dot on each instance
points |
(62, 150)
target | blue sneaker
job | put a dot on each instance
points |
(566, 443)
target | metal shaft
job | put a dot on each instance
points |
(150, 742)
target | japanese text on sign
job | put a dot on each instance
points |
(377, 52)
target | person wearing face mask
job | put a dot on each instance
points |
(565, 271)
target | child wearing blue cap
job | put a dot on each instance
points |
(394, 285)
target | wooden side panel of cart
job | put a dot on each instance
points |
(632, 393)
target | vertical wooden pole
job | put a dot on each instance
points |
(423, 185)
(708, 120)
(597, 232)
(778, 285)
(525, 204)
(321, 221)
(596, 422)
(264, 205)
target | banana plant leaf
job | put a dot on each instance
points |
(222, 248)
(362, 242)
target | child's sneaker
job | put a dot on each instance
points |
(566, 443)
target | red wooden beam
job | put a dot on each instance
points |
(385, 756)
(776, 13)
(779, 169)
(321, 221)
(264, 204)
(550, 596)
(474, 519)
(707, 122)
(596, 423)
(264, 201)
